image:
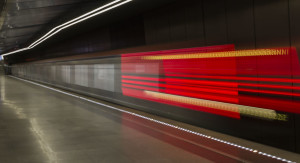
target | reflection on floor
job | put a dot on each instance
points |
(42, 125)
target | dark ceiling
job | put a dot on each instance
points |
(24, 21)
(21, 19)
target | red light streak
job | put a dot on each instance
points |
(220, 77)
(212, 83)
(140, 87)
(141, 83)
(229, 78)
(270, 92)
(203, 96)
(238, 78)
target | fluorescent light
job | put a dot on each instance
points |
(72, 22)
(23, 49)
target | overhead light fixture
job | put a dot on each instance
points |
(72, 22)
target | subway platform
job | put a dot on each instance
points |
(44, 124)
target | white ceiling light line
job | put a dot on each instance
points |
(23, 49)
(74, 21)
(110, 8)
(78, 21)
(82, 16)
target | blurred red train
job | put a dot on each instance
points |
(217, 79)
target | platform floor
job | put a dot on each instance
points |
(40, 125)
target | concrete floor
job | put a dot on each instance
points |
(40, 125)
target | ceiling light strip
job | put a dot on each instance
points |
(23, 49)
(162, 123)
(72, 22)
(78, 21)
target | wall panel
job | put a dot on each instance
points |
(215, 22)
(100, 41)
(177, 22)
(194, 20)
(240, 22)
(294, 6)
(271, 23)
(127, 33)
(150, 29)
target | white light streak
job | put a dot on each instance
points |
(23, 49)
(78, 21)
